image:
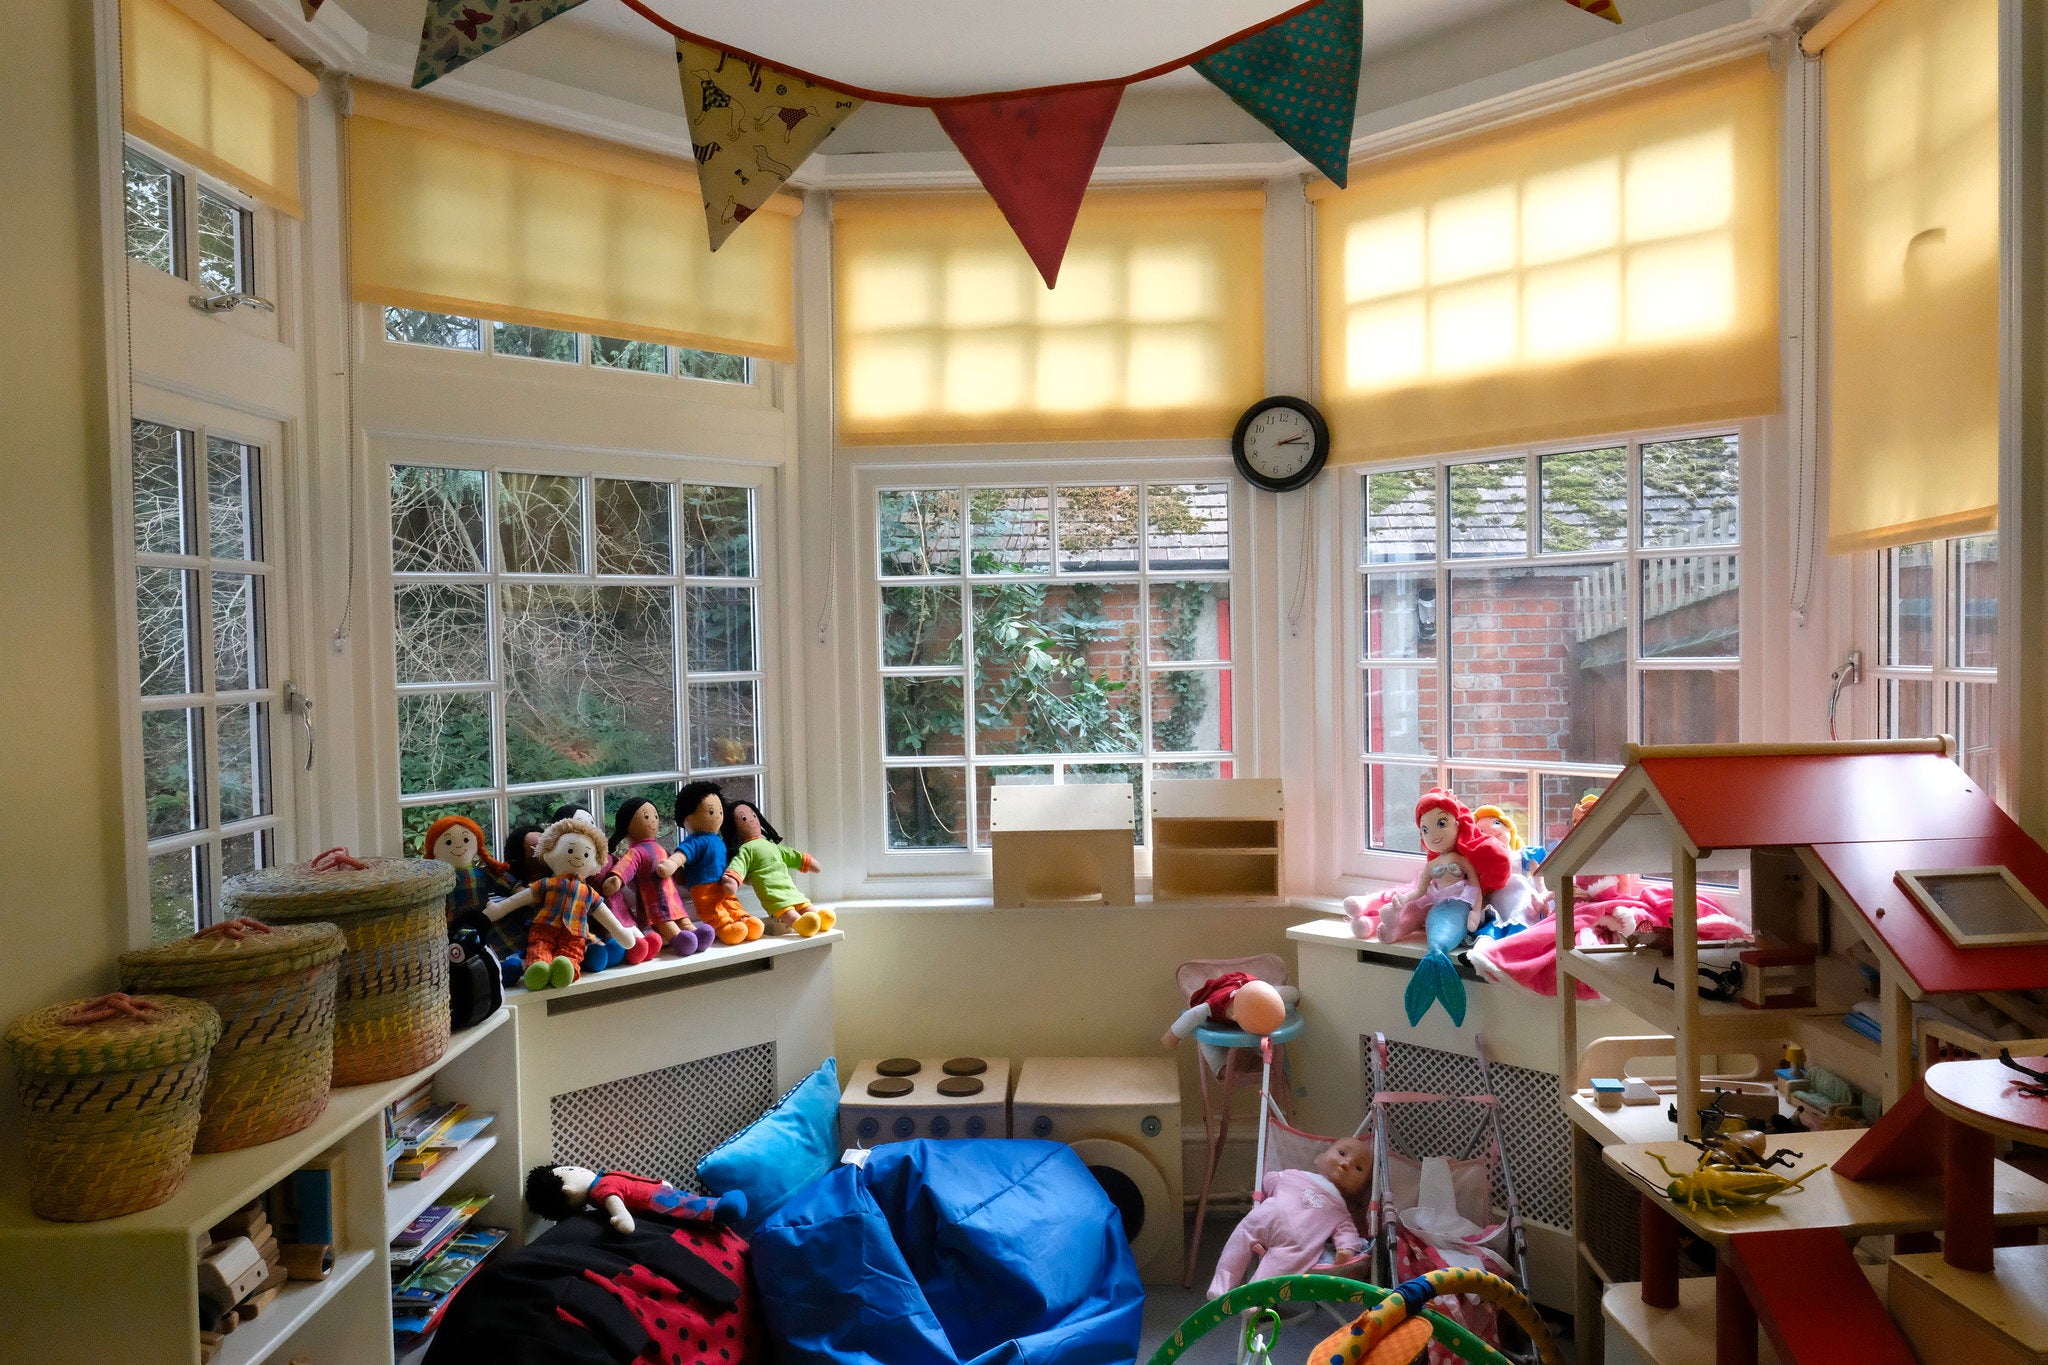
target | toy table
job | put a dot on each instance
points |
(1983, 1100)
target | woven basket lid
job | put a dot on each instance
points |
(302, 892)
(122, 1033)
(231, 952)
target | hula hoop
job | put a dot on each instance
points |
(1313, 1289)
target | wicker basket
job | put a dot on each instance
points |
(112, 1089)
(274, 989)
(391, 999)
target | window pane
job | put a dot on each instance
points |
(247, 852)
(589, 681)
(1692, 607)
(633, 527)
(174, 882)
(443, 633)
(1190, 622)
(920, 627)
(920, 532)
(1174, 772)
(1187, 526)
(238, 662)
(722, 725)
(1562, 793)
(535, 343)
(437, 520)
(163, 514)
(1011, 529)
(650, 357)
(540, 523)
(662, 794)
(720, 627)
(1539, 661)
(244, 743)
(927, 807)
(538, 808)
(1692, 706)
(1506, 788)
(1055, 669)
(718, 531)
(1585, 500)
(151, 195)
(1909, 605)
(714, 365)
(1976, 572)
(1401, 707)
(433, 329)
(173, 796)
(923, 717)
(1690, 491)
(164, 630)
(739, 787)
(1131, 774)
(230, 499)
(1400, 516)
(1975, 707)
(1098, 528)
(1400, 615)
(1489, 509)
(444, 742)
(1190, 710)
(1908, 708)
(1391, 791)
(987, 779)
(223, 244)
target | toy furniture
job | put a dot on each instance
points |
(1778, 977)
(1216, 838)
(893, 1098)
(1066, 845)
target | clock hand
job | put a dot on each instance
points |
(1291, 441)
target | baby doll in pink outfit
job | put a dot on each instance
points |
(1301, 1213)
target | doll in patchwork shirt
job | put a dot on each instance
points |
(761, 861)
(565, 903)
(640, 862)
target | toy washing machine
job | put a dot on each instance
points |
(1121, 1115)
(924, 1097)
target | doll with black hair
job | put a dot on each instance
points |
(700, 815)
(557, 1193)
(759, 858)
(640, 863)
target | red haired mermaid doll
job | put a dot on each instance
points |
(1465, 866)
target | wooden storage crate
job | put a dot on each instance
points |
(1216, 838)
(1065, 845)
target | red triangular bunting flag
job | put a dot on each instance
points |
(1604, 8)
(1034, 154)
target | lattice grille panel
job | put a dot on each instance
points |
(662, 1123)
(1534, 1128)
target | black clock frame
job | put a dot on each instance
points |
(1319, 450)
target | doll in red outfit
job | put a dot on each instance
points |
(557, 1192)
(1233, 1000)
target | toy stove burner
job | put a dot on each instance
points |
(965, 1066)
(899, 1066)
(887, 1087)
(960, 1087)
(905, 1097)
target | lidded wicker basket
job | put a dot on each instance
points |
(112, 1090)
(274, 990)
(391, 996)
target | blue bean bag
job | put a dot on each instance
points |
(977, 1252)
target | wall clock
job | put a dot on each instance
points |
(1280, 443)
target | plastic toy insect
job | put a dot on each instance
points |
(2036, 1084)
(1726, 1140)
(1721, 983)
(1727, 1189)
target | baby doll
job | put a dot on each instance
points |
(1298, 1214)
(700, 859)
(640, 861)
(567, 903)
(458, 841)
(1235, 1000)
(557, 1192)
(760, 860)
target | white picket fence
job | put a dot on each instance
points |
(1600, 600)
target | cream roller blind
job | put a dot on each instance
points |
(202, 85)
(945, 333)
(1607, 268)
(457, 211)
(1912, 109)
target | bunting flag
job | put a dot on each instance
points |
(1604, 8)
(457, 32)
(1034, 154)
(1300, 79)
(751, 126)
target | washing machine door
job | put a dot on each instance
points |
(1134, 1185)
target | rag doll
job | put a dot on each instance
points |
(557, 1192)
(507, 937)
(458, 841)
(1234, 1000)
(639, 861)
(600, 952)
(1297, 1215)
(1464, 868)
(566, 904)
(700, 860)
(759, 859)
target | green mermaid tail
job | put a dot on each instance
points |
(1435, 981)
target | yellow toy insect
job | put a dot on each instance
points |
(1709, 1188)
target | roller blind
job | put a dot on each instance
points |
(202, 85)
(457, 211)
(1608, 268)
(945, 332)
(1912, 109)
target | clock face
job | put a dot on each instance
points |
(1281, 444)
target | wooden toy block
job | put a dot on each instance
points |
(1781, 976)
(1216, 838)
(1066, 845)
(1995, 1318)
(1607, 1092)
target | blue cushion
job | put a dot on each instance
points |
(785, 1149)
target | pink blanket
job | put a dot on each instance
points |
(1530, 958)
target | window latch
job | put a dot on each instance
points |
(229, 302)
(297, 701)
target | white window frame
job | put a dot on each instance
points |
(258, 264)
(1355, 864)
(1949, 683)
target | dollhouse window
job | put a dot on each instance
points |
(414, 327)
(1523, 616)
(1978, 906)
(1937, 670)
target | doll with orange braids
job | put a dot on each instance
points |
(480, 879)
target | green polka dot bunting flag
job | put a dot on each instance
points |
(457, 32)
(1299, 78)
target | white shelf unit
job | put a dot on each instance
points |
(140, 1270)
(1216, 839)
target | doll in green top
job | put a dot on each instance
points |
(760, 860)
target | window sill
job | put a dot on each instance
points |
(924, 905)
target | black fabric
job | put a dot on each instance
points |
(476, 979)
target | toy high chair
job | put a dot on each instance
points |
(1230, 1061)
